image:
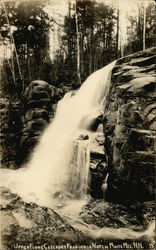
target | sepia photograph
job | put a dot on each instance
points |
(77, 124)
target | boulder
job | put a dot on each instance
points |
(136, 216)
(38, 110)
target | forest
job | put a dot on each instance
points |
(86, 37)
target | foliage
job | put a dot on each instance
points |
(93, 42)
(135, 29)
(29, 25)
(150, 25)
(97, 41)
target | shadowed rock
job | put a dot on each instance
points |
(27, 223)
(130, 129)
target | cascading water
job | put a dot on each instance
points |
(79, 167)
(56, 175)
(49, 170)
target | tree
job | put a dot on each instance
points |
(32, 37)
(89, 40)
(6, 36)
(117, 33)
(142, 28)
(150, 25)
(77, 45)
(30, 25)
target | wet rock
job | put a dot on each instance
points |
(135, 216)
(98, 172)
(144, 61)
(129, 128)
(138, 55)
(97, 143)
(98, 165)
(38, 89)
(140, 84)
(60, 91)
(58, 94)
(27, 223)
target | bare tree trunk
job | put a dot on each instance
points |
(117, 33)
(90, 52)
(69, 8)
(82, 56)
(78, 46)
(144, 29)
(91, 58)
(28, 61)
(121, 49)
(140, 26)
(69, 38)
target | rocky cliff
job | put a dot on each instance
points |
(130, 129)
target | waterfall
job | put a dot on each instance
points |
(57, 174)
(59, 164)
(79, 168)
(104, 186)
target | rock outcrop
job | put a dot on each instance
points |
(23, 120)
(130, 129)
(38, 110)
(136, 216)
(25, 224)
(98, 165)
(30, 226)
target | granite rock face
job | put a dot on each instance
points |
(130, 129)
